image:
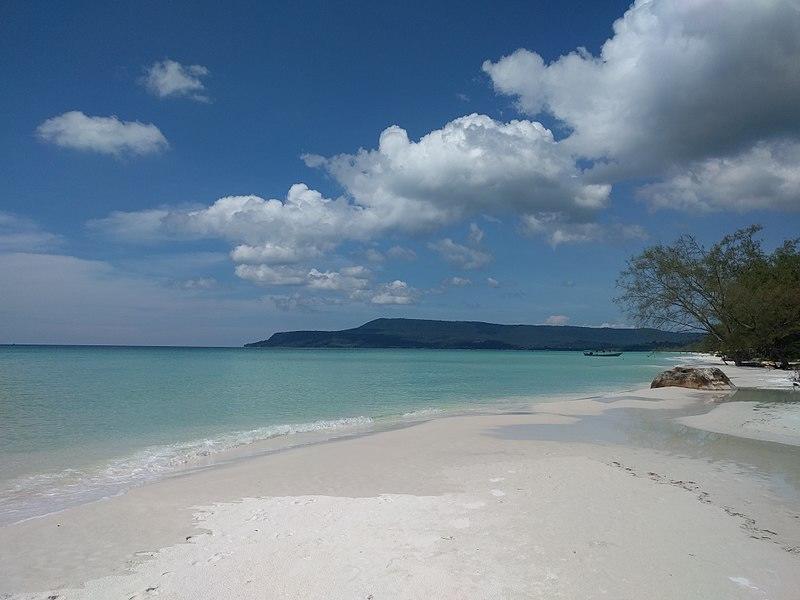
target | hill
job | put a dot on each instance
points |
(420, 333)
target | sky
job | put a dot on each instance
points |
(206, 174)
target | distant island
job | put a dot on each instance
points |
(475, 335)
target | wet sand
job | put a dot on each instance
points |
(612, 496)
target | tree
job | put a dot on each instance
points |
(747, 302)
(766, 298)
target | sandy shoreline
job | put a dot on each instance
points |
(604, 497)
(770, 423)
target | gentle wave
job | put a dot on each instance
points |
(35, 495)
(422, 412)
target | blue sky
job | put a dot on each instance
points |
(456, 161)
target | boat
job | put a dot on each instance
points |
(601, 353)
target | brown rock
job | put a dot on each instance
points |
(697, 378)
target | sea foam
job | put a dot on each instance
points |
(36, 495)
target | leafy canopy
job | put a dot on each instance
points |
(747, 301)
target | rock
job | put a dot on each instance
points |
(697, 378)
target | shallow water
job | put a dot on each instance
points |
(78, 423)
(754, 395)
(777, 465)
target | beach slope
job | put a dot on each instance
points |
(604, 497)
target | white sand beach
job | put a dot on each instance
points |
(604, 497)
(771, 423)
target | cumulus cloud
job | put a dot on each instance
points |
(304, 219)
(268, 275)
(678, 84)
(492, 282)
(395, 292)
(353, 281)
(168, 78)
(472, 165)
(280, 237)
(106, 135)
(457, 281)
(556, 320)
(460, 255)
(348, 279)
(678, 80)
(274, 254)
(766, 176)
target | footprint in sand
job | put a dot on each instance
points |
(149, 592)
(218, 556)
(744, 582)
(498, 493)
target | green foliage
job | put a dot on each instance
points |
(745, 300)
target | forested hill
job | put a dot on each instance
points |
(419, 333)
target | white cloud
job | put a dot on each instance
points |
(19, 234)
(395, 292)
(401, 253)
(106, 135)
(679, 82)
(678, 72)
(763, 177)
(351, 280)
(304, 222)
(561, 231)
(143, 226)
(556, 320)
(472, 165)
(169, 78)
(267, 275)
(273, 254)
(457, 281)
(277, 239)
(348, 279)
(460, 255)
(475, 233)
(492, 282)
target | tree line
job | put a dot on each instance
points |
(744, 299)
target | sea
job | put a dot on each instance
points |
(80, 423)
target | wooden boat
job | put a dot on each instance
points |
(601, 353)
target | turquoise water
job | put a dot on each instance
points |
(79, 423)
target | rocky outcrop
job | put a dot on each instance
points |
(697, 378)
